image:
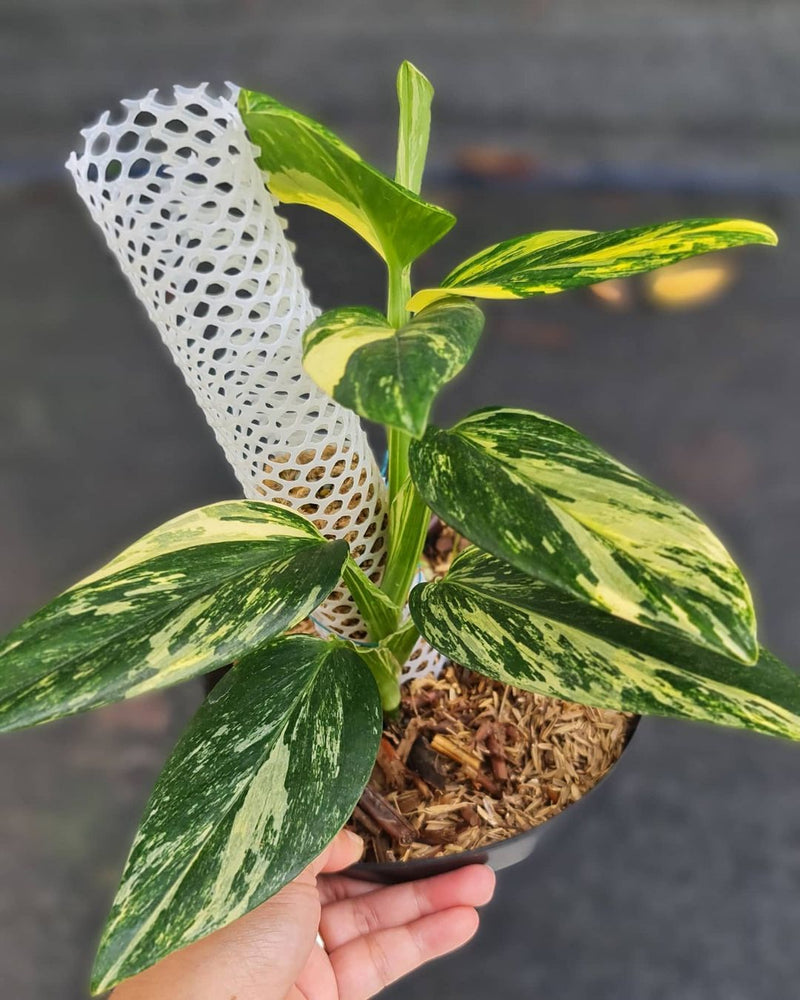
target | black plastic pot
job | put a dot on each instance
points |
(498, 856)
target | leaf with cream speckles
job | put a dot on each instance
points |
(387, 375)
(539, 495)
(267, 772)
(190, 596)
(496, 620)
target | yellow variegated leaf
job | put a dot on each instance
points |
(542, 263)
(387, 375)
(494, 619)
(306, 164)
(190, 596)
(539, 495)
(266, 774)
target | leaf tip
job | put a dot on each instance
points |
(755, 232)
(101, 979)
(408, 69)
(243, 100)
(771, 237)
(749, 649)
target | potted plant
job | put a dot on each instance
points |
(582, 581)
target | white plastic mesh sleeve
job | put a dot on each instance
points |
(174, 186)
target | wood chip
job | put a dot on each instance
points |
(441, 744)
(389, 821)
(393, 768)
(469, 762)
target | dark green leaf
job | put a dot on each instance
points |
(190, 596)
(494, 619)
(267, 772)
(539, 495)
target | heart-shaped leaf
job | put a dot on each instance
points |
(190, 596)
(267, 772)
(308, 165)
(492, 618)
(387, 375)
(541, 263)
(539, 495)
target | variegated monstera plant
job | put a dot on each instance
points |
(584, 581)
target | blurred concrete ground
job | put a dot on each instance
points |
(681, 879)
(615, 82)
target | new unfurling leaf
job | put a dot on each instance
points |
(414, 97)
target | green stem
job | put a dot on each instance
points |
(398, 443)
(386, 671)
(408, 527)
(380, 614)
(408, 515)
(403, 641)
(397, 440)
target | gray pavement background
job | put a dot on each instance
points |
(622, 81)
(681, 879)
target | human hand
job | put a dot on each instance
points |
(373, 935)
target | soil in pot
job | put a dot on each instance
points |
(469, 762)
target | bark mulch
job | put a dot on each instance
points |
(470, 761)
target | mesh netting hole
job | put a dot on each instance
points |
(127, 142)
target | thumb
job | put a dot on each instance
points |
(344, 850)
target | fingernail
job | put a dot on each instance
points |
(355, 840)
